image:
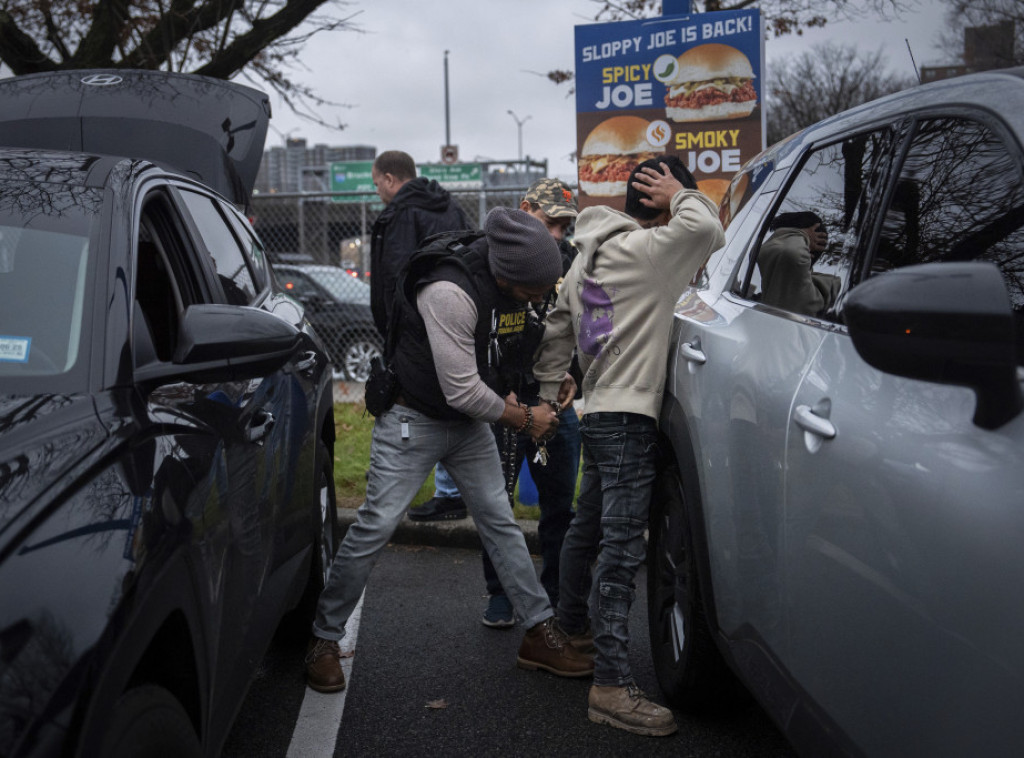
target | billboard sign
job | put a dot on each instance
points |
(689, 85)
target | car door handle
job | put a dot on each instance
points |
(259, 426)
(308, 363)
(691, 351)
(811, 420)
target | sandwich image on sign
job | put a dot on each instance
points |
(610, 153)
(711, 82)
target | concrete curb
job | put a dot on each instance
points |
(461, 533)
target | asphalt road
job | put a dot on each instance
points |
(420, 642)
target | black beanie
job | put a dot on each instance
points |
(520, 249)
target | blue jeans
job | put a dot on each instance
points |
(556, 488)
(404, 448)
(444, 485)
(620, 455)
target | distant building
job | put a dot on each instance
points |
(299, 168)
(985, 48)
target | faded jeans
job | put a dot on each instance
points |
(405, 446)
(620, 455)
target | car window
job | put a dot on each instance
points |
(165, 282)
(804, 257)
(254, 250)
(225, 251)
(297, 285)
(959, 197)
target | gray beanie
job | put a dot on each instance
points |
(520, 249)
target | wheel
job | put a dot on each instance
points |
(149, 721)
(688, 665)
(354, 356)
(325, 512)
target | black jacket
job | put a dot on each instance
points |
(422, 207)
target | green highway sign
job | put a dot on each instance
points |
(454, 175)
(353, 176)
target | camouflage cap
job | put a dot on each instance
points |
(554, 198)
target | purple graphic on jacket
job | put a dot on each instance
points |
(597, 323)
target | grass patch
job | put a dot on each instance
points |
(353, 429)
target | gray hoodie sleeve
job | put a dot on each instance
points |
(450, 317)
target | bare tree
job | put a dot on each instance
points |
(962, 14)
(826, 80)
(781, 16)
(220, 38)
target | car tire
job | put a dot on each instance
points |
(688, 665)
(354, 356)
(148, 720)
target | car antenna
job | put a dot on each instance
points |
(912, 61)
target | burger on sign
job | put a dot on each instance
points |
(710, 82)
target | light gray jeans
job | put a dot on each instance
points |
(404, 448)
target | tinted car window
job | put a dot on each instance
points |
(250, 242)
(298, 285)
(959, 197)
(835, 183)
(234, 274)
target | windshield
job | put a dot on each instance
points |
(44, 261)
(342, 285)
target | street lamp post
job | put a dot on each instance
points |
(519, 125)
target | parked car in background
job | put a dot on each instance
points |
(841, 518)
(166, 428)
(338, 306)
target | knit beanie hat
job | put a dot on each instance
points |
(520, 249)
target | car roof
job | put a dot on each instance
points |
(1000, 91)
(210, 129)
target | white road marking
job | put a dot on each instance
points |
(316, 729)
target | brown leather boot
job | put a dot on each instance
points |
(547, 647)
(323, 666)
(628, 708)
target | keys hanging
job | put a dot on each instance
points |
(542, 454)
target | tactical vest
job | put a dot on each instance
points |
(503, 350)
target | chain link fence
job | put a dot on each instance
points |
(319, 244)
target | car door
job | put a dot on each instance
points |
(903, 518)
(744, 365)
(254, 419)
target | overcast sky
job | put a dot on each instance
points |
(392, 74)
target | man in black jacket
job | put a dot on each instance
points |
(416, 208)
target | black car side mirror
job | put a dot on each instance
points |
(225, 343)
(942, 322)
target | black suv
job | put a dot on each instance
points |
(166, 429)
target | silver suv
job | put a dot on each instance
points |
(840, 523)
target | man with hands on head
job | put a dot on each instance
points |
(615, 309)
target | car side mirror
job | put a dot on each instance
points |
(225, 343)
(942, 322)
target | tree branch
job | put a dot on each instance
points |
(97, 46)
(19, 51)
(246, 47)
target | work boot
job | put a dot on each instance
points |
(628, 708)
(439, 509)
(547, 647)
(323, 666)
